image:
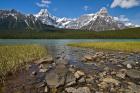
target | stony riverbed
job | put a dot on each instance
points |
(79, 70)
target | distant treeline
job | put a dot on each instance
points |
(70, 34)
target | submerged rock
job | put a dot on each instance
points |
(134, 74)
(56, 77)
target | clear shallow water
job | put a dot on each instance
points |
(56, 42)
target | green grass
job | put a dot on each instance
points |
(13, 57)
(117, 46)
(131, 33)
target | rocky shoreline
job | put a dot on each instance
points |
(79, 70)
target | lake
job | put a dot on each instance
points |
(56, 42)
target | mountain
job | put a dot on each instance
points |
(100, 21)
(49, 19)
(46, 17)
(14, 20)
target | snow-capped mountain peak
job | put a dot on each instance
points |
(103, 11)
(99, 21)
(46, 17)
(43, 12)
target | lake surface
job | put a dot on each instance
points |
(56, 42)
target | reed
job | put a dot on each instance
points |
(12, 57)
(118, 46)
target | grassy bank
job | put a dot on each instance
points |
(119, 46)
(71, 34)
(13, 57)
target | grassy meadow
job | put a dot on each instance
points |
(14, 56)
(131, 33)
(117, 46)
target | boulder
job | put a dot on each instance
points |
(88, 58)
(82, 80)
(44, 60)
(79, 74)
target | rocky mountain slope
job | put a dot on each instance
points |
(98, 22)
(14, 20)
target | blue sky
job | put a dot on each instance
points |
(75, 8)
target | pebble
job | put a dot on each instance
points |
(129, 66)
(34, 73)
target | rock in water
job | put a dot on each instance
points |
(88, 58)
(134, 74)
(56, 77)
(129, 66)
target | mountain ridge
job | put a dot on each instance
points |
(100, 21)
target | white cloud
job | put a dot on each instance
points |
(123, 19)
(86, 8)
(46, 1)
(125, 3)
(43, 3)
